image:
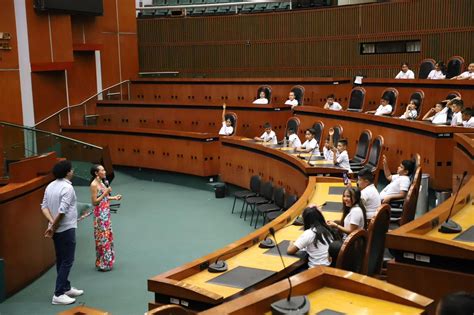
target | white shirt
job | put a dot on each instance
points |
(410, 115)
(396, 186)
(457, 119)
(371, 200)
(383, 110)
(328, 154)
(342, 160)
(335, 106)
(469, 123)
(313, 145)
(293, 103)
(294, 141)
(269, 137)
(436, 75)
(226, 131)
(467, 75)
(356, 217)
(405, 75)
(317, 256)
(263, 101)
(440, 117)
(60, 197)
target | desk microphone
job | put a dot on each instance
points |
(267, 243)
(295, 305)
(449, 226)
(310, 156)
(221, 265)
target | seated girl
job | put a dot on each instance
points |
(315, 239)
(262, 98)
(226, 129)
(410, 112)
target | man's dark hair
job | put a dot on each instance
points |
(409, 165)
(468, 111)
(458, 303)
(61, 169)
(366, 174)
(267, 125)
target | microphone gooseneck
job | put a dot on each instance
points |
(218, 265)
(449, 226)
(272, 232)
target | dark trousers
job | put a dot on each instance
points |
(65, 246)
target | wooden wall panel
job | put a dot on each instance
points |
(306, 43)
(10, 97)
(128, 56)
(109, 60)
(8, 58)
(82, 77)
(49, 92)
(85, 30)
(61, 34)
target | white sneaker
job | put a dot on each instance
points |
(73, 292)
(62, 300)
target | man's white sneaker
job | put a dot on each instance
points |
(62, 300)
(73, 292)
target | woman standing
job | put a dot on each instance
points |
(103, 235)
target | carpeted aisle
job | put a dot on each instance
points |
(164, 221)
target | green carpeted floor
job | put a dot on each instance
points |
(165, 220)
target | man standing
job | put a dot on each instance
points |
(59, 207)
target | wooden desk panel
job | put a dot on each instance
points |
(402, 139)
(184, 152)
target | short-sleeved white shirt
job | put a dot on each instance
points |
(292, 102)
(436, 75)
(328, 154)
(396, 186)
(356, 217)
(294, 141)
(440, 117)
(469, 123)
(457, 119)
(371, 200)
(383, 110)
(317, 256)
(467, 75)
(263, 101)
(405, 75)
(226, 131)
(343, 160)
(312, 144)
(410, 115)
(269, 137)
(335, 106)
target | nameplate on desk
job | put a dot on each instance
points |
(444, 135)
(408, 255)
(277, 109)
(422, 258)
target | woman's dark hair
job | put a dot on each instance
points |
(441, 66)
(458, 303)
(333, 251)
(94, 169)
(61, 169)
(355, 198)
(314, 219)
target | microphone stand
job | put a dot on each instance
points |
(450, 226)
(221, 265)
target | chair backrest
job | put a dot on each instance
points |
(294, 123)
(452, 95)
(426, 66)
(290, 200)
(337, 133)
(351, 256)
(455, 66)
(362, 150)
(409, 205)
(318, 127)
(392, 94)
(279, 197)
(268, 92)
(357, 100)
(299, 93)
(255, 183)
(417, 159)
(169, 309)
(419, 96)
(375, 152)
(267, 190)
(376, 233)
(233, 119)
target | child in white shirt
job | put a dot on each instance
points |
(226, 129)
(384, 108)
(438, 114)
(467, 117)
(405, 73)
(327, 150)
(311, 144)
(268, 136)
(438, 72)
(399, 183)
(410, 112)
(331, 104)
(262, 99)
(369, 195)
(457, 105)
(292, 101)
(467, 75)
(293, 140)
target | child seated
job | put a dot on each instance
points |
(369, 196)
(327, 149)
(311, 144)
(262, 98)
(410, 112)
(331, 104)
(399, 183)
(467, 117)
(315, 239)
(292, 101)
(226, 129)
(340, 156)
(384, 108)
(405, 72)
(438, 73)
(268, 136)
(293, 140)
(438, 114)
(466, 75)
(456, 105)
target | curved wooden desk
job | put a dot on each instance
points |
(335, 290)
(402, 139)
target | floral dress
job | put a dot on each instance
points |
(104, 238)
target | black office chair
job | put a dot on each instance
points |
(392, 95)
(426, 66)
(352, 253)
(270, 216)
(337, 134)
(293, 123)
(265, 196)
(374, 158)
(277, 204)
(299, 93)
(362, 150)
(455, 67)
(267, 90)
(319, 128)
(243, 194)
(357, 100)
(419, 96)
(233, 119)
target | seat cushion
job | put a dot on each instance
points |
(244, 194)
(268, 207)
(256, 200)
